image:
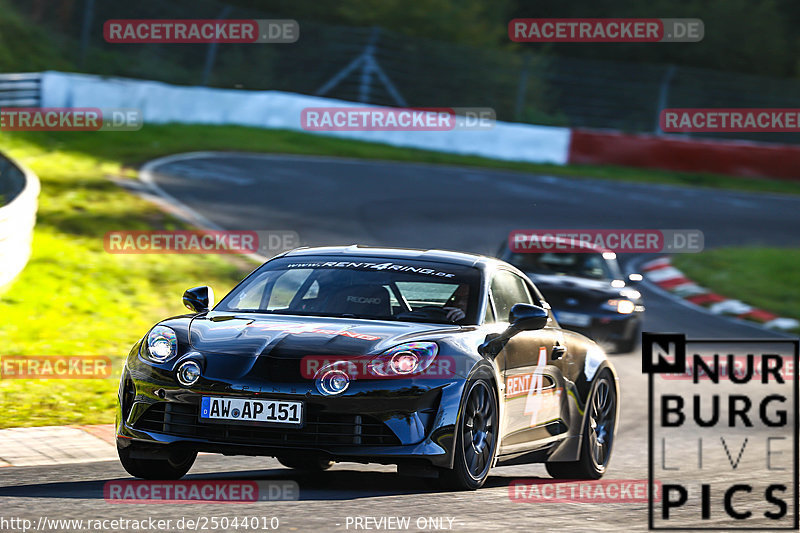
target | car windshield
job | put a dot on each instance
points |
(379, 289)
(582, 265)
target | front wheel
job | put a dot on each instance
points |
(174, 466)
(598, 435)
(476, 439)
(630, 343)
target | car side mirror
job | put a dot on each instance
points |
(522, 317)
(199, 299)
(527, 317)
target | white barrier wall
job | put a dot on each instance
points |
(161, 103)
(17, 219)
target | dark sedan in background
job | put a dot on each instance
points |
(587, 291)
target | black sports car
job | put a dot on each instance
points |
(587, 291)
(442, 363)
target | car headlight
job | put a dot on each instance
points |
(631, 294)
(404, 360)
(623, 307)
(162, 344)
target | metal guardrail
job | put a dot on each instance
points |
(20, 90)
(19, 193)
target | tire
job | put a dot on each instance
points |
(598, 435)
(476, 439)
(629, 344)
(174, 467)
(313, 463)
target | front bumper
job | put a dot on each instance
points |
(392, 421)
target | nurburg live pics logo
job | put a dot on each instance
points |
(722, 446)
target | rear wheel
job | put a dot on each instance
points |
(476, 439)
(312, 463)
(598, 435)
(174, 466)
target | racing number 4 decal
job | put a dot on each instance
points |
(541, 404)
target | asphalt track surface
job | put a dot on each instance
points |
(340, 201)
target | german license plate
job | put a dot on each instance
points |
(250, 410)
(573, 319)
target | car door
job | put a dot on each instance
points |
(530, 365)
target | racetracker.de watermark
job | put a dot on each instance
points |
(730, 120)
(55, 367)
(606, 30)
(201, 31)
(397, 119)
(600, 491)
(141, 524)
(200, 242)
(606, 240)
(131, 491)
(70, 119)
(361, 367)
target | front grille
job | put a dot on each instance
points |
(181, 420)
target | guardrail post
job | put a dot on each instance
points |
(88, 14)
(211, 54)
(663, 96)
(523, 85)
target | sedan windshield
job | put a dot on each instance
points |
(379, 289)
(582, 265)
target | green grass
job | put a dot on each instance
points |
(153, 141)
(766, 278)
(75, 299)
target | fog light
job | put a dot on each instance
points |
(188, 373)
(333, 381)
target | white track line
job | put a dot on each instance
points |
(178, 208)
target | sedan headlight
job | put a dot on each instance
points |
(404, 360)
(162, 344)
(622, 306)
(631, 294)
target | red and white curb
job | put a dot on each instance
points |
(661, 272)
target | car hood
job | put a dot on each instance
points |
(298, 336)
